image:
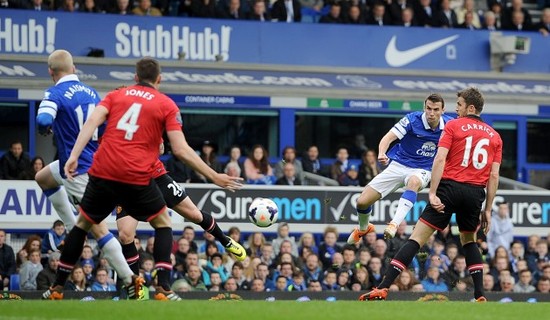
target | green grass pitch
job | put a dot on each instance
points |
(263, 310)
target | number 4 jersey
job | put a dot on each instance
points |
(473, 147)
(64, 108)
(129, 150)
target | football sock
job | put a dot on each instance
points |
(211, 226)
(131, 254)
(112, 251)
(73, 248)
(364, 215)
(161, 254)
(475, 267)
(405, 205)
(60, 201)
(402, 259)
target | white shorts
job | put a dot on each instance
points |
(396, 176)
(75, 188)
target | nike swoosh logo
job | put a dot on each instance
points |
(240, 254)
(399, 58)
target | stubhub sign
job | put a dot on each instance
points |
(174, 38)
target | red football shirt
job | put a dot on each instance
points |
(129, 150)
(158, 169)
(473, 147)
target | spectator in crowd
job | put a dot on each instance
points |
(307, 241)
(508, 16)
(311, 162)
(215, 282)
(497, 9)
(341, 164)
(214, 264)
(378, 17)
(369, 167)
(230, 285)
(289, 156)
(544, 25)
(446, 17)
(193, 279)
(235, 234)
(314, 286)
(329, 246)
(234, 164)
(334, 15)
(231, 9)
(298, 282)
(122, 7)
(32, 243)
(433, 281)
(259, 12)
(54, 237)
(540, 254)
(502, 229)
(507, 283)
(489, 21)
(531, 250)
(488, 282)
(101, 282)
(37, 163)
(88, 266)
(360, 280)
(37, 5)
(518, 22)
(257, 285)
(286, 11)
(90, 6)
(543, 285)
(77, 280)
(359, 146)
(283, 234)
(407, 18)
(468, 21)
(237, 272)
(199, 8)
(15, 164)
(516, 255)
(46, 277)
(350, 177)
(257, 168)
(181, 253)
(255, 243)
(69, 6)
(355, 15)
(313, 269)
(404, 282)
(208, 155)
(29, 271)
(457, 277)
(145, 8)
(524, 283)
(290, 177)
(425, 13)
(468, 7)
(7, 261)
(375, 271)
(189, 234)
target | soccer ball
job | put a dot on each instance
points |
(263, 212)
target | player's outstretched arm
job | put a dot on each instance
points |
(383, 146)
(97, 118)
(182, 151)
(437, 173)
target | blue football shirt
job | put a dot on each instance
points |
(418, 144)
(70, 102)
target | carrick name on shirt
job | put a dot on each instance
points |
(481, 127)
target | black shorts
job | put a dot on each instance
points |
(463, 199)
(143, 202)
(171, 191)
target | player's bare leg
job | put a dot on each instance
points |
(57, 194)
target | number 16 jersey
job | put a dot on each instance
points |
(70, 102)
(473, 147)
(138, 115)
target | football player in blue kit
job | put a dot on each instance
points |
(63, 111)
(410, 165)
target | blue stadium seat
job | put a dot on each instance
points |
(15, 282)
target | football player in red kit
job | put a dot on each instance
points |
(467, 161)
(122, 169)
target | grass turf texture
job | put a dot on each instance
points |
(263, 310)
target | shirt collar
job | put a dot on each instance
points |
(427, 125)
(69, 77)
